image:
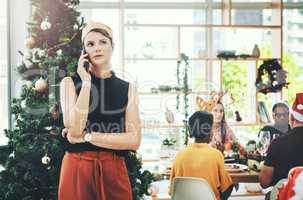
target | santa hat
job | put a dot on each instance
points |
(297, 107)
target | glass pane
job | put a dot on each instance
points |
(153, 108)
(246, 133)
(151, 42)
(193, 42)
(255, 17)
(109, 17)
(164, 16)
(152, 74)
(293, 52)
(217, 16)
(3, 73)
(238, 79)
(243, 40)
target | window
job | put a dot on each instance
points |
(293, 52)
(3, 72)
(150, 35)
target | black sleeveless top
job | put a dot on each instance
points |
(108, 101)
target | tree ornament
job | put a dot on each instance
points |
(59, 52)
(45, 160)
(30, 42)
(45, 24)
(28, 64)
(76, 27)
(23, 104)
(55, 112)
(28, 84)
(41, 85)
(28, 55)
(53, 132)
(12, 155)
(40, 52)
(276, 77)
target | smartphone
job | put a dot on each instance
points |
(86, 63)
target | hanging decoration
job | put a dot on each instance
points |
(182, 81)
(276, 77)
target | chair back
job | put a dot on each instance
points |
(275, 190)
(188, 188)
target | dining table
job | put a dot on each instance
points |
(244, 179)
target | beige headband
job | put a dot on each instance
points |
(95, 25)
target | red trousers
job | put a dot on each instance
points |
(93, 175)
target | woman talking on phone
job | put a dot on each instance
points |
(100, 113)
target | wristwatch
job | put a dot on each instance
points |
(88, 137)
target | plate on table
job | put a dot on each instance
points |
(235, 168)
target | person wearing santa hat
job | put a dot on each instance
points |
(100, 113)
(284, 152)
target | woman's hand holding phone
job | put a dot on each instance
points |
(84, 75)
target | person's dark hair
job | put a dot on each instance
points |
(103, 32)
(200, 124)
(280, 104)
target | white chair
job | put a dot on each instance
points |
(275, 190)
(188, 188)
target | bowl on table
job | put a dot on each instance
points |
(253, 187)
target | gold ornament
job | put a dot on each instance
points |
(30, 43)
(41, 85)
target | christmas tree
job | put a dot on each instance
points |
(32, 157)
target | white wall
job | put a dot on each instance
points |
(19, 15)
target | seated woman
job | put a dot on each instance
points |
(222, 135)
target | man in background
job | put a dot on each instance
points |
(284, 152)
(280, 114)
